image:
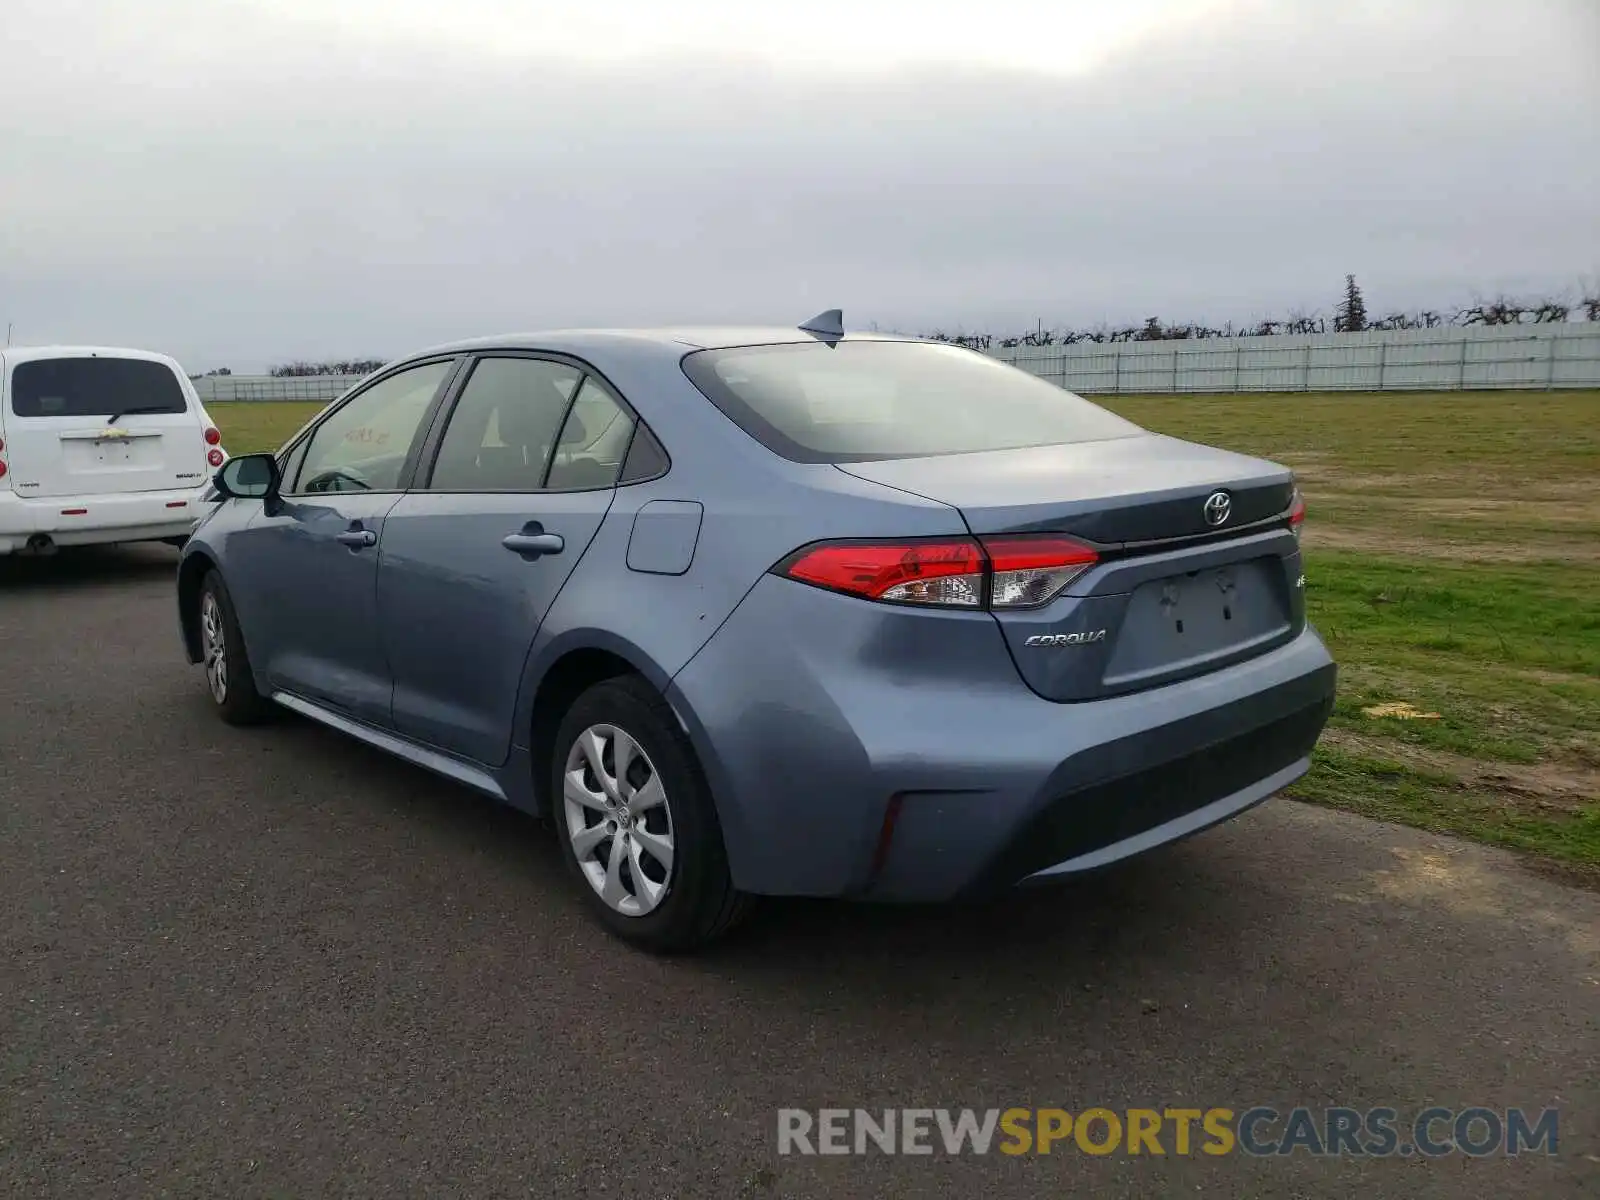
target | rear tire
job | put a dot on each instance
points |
(229, 679)
(643, 843)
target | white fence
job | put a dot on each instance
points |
(1445, 359)
(227, 389)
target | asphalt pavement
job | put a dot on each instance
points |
(272, 962)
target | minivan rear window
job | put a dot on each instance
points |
(94, 387)
(871, 400)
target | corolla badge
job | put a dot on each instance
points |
(1066, 639)
(1217, 507)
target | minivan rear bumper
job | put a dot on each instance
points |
(97, 519)
(870, 751)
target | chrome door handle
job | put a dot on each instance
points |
(357, 538)
(534, 544)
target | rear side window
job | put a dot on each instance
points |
(505, 426)
(594, 440)
(94, 387)
(866, 401)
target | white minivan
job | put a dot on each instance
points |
(99, 445)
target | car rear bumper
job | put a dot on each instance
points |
(837, 776)
(89, 520)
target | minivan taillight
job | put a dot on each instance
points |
(1023, 571)
(1297, 512)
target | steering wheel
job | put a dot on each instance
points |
(323, 482)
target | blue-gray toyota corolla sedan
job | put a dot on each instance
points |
(771, 612)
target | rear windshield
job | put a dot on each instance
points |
(863, 401)
(94, 387)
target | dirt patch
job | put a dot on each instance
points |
(1459, 880)
(1548, 787)
(1541, 675)
(1393, 543)
(1571, 513)
(1328, 479)
(1333, 481)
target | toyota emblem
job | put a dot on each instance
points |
(1217, 507)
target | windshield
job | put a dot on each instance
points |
(94, 387)
(863, 401)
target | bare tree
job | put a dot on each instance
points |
(1501, 311)
(364, 366)
(1303, 322)
(1351, 313)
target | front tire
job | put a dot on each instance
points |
(228, 676)
(636, 822)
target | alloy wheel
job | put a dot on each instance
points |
(215, 645)
(618, 820)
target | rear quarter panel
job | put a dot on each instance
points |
(757, 508)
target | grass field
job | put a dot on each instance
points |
(1453, 563)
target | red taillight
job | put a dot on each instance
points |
(2, 443)
(1000, 572)
(215, 457)
(1297, 512)
(944, 572)
(2, 468)
(213, 436)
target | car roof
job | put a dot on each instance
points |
(675, 342)
(28, 353)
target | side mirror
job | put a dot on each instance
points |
(248, 477)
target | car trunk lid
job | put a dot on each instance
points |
(1186, 582)
(1122, 490)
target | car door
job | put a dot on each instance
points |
(526, 466)
(304, 571)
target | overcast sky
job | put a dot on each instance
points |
(242, 182)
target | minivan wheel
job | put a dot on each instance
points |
(636, 822)
(228, 676)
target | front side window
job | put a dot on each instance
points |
(505, 426)
(363, 446)
(863, 401)
(94, 387)
(289, 468)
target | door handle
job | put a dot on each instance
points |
(531, 545)
(357, 538)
